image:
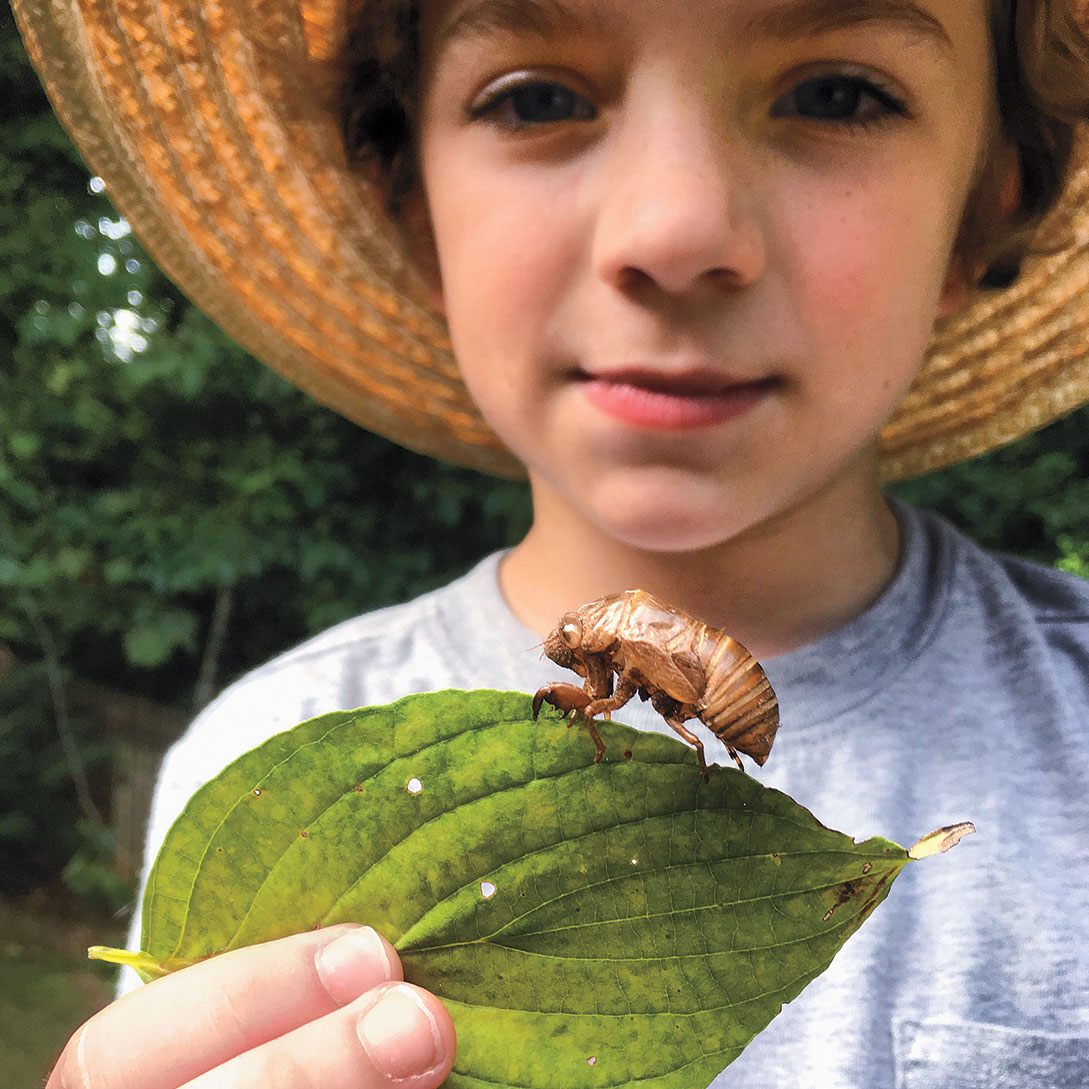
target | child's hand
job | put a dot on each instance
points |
(316, 1010)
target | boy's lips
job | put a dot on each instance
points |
(673, 400)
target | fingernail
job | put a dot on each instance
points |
(353, 963)
(400, 1034)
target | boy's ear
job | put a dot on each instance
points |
(956, 287)
(419, 239)
(995, 199)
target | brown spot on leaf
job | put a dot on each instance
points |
(849, 890)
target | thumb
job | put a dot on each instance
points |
(406, 1032)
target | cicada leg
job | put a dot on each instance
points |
(597, 740)
(673, 713)
(684, 732)
(598, 698)
(625, 689)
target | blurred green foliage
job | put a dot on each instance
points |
(1030, 498)
(148, 466)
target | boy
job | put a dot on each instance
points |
(689, 267)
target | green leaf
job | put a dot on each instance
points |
(153, 637)
(24, 444)
(585, 924)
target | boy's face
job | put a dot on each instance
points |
(691, 254)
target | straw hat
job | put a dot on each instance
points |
(216, 126)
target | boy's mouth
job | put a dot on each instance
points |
(673, 401)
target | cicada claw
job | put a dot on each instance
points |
(568, 699)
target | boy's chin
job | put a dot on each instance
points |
(670, 528)
(659, 509)
(677, 540)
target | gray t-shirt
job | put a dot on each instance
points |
(961, 694)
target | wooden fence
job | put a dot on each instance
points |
(141, 731)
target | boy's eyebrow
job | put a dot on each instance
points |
(789, 19)
(801, 18)
(542, 17)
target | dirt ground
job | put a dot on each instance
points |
(48, 987)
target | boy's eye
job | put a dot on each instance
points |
(838, 98)
(531, 102)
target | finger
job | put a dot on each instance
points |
(397, 1032)
(172, 1030)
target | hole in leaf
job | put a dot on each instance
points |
(592, 1061)
(257, 792)
(635, 862)
(414, 785)
(487, 889)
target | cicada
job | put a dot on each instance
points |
(632, 642)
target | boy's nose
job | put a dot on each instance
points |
(676, 210)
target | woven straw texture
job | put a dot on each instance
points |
(216, 127)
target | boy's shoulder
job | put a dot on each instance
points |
(369, 658)
(460, 635)
(1007, 621)
(965, 567)
(1039, 594)
(1053, 596)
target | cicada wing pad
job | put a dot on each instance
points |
(655, 667)
(659, 648)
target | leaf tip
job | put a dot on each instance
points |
(941, 840)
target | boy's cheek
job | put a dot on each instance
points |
(872, 277)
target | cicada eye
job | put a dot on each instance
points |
(571, 633)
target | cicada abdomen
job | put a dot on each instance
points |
(738, 705)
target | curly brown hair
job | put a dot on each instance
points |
(1041, 57)
(1042, 90)
(380, 95)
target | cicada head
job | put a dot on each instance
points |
(563, 643)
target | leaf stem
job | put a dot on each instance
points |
(144, 964)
